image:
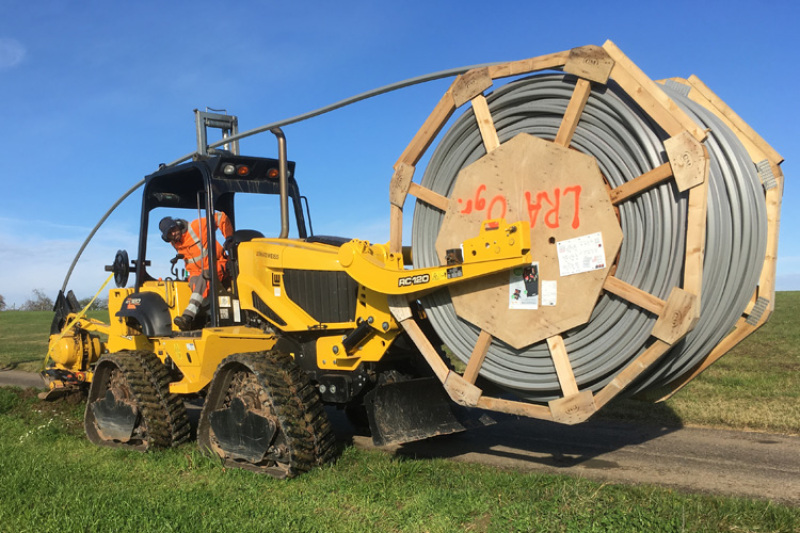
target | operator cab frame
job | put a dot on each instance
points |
(209, 184)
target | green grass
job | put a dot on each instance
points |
(754, 387)
(53, 479)
(25, 335)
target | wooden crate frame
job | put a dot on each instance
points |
(767, 160)
(688, 166)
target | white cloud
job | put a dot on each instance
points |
(12, 53)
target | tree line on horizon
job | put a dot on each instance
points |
(39, 301)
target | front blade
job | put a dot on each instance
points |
(417, 409)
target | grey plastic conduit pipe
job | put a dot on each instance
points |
(293, 120)
(626, 144)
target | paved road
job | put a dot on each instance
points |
(18, 378)
(754, 465)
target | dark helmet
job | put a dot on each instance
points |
(166, 225)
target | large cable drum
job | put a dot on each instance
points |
(653, 211)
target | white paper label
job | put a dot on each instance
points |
(581, 254)
(523, 289)
(549, 292)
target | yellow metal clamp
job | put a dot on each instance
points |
(499, 246)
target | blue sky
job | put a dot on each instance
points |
(96, 94)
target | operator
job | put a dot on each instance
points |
(191, 241)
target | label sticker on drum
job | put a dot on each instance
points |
(523, 287)
(581, 254)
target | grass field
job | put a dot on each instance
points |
(53, 479)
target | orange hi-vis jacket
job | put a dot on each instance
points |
(194, 245)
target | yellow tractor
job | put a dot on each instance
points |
(579, 232)
(297, 323)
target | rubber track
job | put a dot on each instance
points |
(296, 403)
(177, 419)
(151, 406)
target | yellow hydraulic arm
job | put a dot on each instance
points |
(499, 246)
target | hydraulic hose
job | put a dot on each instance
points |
(625, 144)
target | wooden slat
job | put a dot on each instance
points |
(711, 100)
(485, 123)
(425, 347)
(566, 377)
(696, 240)
(430, 128)
(524, 66)
(461, 391)
(428, 196)
(680, 316)
(631, 372)
(640, 184)
(689, 160)
(477, 357)
(469, 85)
(577, 102)
(396, 230)
(398, 186)
(573, 409)
(649, 95)
(741, 331)
(590, 63)
(634, 295)
(515, 408)
(767, 280)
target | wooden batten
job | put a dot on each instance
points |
(631, 372)
(649, 95)
(704, 96)
(741, 331)
(634, 295)
(566, 377)
(759, 150)
(428, 196)
(402, 313)
(591, 63)
(573, 409)
(696, 241)
(512, 407)
(640, 184)
(485, 123)
(469, 85)
(573, 114)
(679, 317)
(527, 66)
(401, 181)
(429, 130)
(477, 357)
(395, 229)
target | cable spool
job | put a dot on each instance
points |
(662, 309)
(625, 144)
